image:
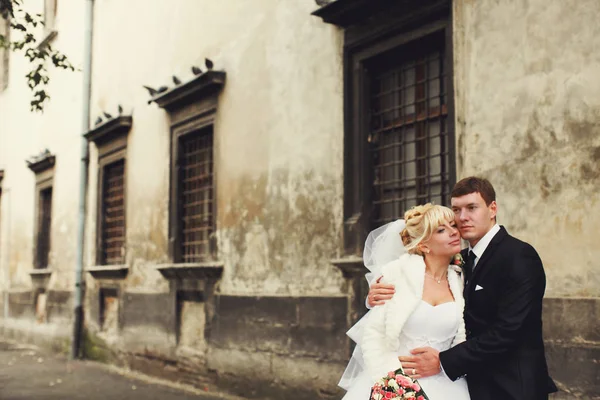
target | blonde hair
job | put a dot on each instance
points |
(421, 222)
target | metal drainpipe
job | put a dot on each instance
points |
(83, 179)
(6, 270)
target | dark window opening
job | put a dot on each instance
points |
(408, 129)
(195, 197)
(44, 223)
(113, 214)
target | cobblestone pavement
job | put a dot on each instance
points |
(26, 372)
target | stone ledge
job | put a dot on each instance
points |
(201, 270)
(40, 273)
(203, 85)
(108, 271)
(41, 162)
(351, 266)
(110, 130)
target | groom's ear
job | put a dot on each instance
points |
(493, 207)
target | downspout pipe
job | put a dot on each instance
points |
(83, 178)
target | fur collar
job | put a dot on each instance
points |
(407, 274)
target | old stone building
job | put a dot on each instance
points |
(227, 203)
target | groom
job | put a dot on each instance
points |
(503, 357)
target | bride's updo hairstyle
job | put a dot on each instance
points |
(421, 223)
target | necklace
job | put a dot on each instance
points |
(436, 279)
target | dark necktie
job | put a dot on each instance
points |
(469, 266)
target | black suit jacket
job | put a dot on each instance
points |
(503, 357)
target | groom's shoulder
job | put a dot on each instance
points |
(519, 247)
(508, 239)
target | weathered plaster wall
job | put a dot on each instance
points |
(527, 110)
(24, 134)
(278, 154)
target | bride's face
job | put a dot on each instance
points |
(445, 241)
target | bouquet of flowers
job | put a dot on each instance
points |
(397, 385)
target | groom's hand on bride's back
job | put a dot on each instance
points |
(379, 293)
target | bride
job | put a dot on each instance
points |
(426, 310)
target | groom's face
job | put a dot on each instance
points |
(473, 217)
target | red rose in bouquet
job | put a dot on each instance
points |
(397, 385)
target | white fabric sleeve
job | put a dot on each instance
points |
(379, 358)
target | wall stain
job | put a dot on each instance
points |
(291, 237)
(581, 129)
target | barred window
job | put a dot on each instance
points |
(197, 222)
(113, 214)
(44, 223)
(408, 132)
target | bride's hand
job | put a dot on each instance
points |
(424, 362)
(379, 293)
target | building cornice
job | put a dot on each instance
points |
(42, 162)
(204, 85)
(110, 130)
(347, 13)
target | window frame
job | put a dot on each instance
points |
(43, 167)
(192, 106)
(361, 46)
(178, 132)
(110, 138)
(104, 162)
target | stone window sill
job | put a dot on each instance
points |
(108, 271)
(202, 270)
(40, 272)
(351, 266)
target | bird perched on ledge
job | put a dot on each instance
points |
(150, 90)
(196, 70)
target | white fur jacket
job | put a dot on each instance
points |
(381, 335)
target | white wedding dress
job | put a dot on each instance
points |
(427, 326)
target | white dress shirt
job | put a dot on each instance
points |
(483, 243)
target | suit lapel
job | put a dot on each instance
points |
(485, 257)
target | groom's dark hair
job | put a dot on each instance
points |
(474, 184)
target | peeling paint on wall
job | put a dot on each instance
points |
(528, 118)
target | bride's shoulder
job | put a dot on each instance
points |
(400, 267)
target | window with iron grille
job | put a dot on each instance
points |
(408, 130)
(195, 196)
(44, 223)
(113, 214)
(398, 117)
(399, 138)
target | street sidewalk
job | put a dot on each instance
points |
(27, 372)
